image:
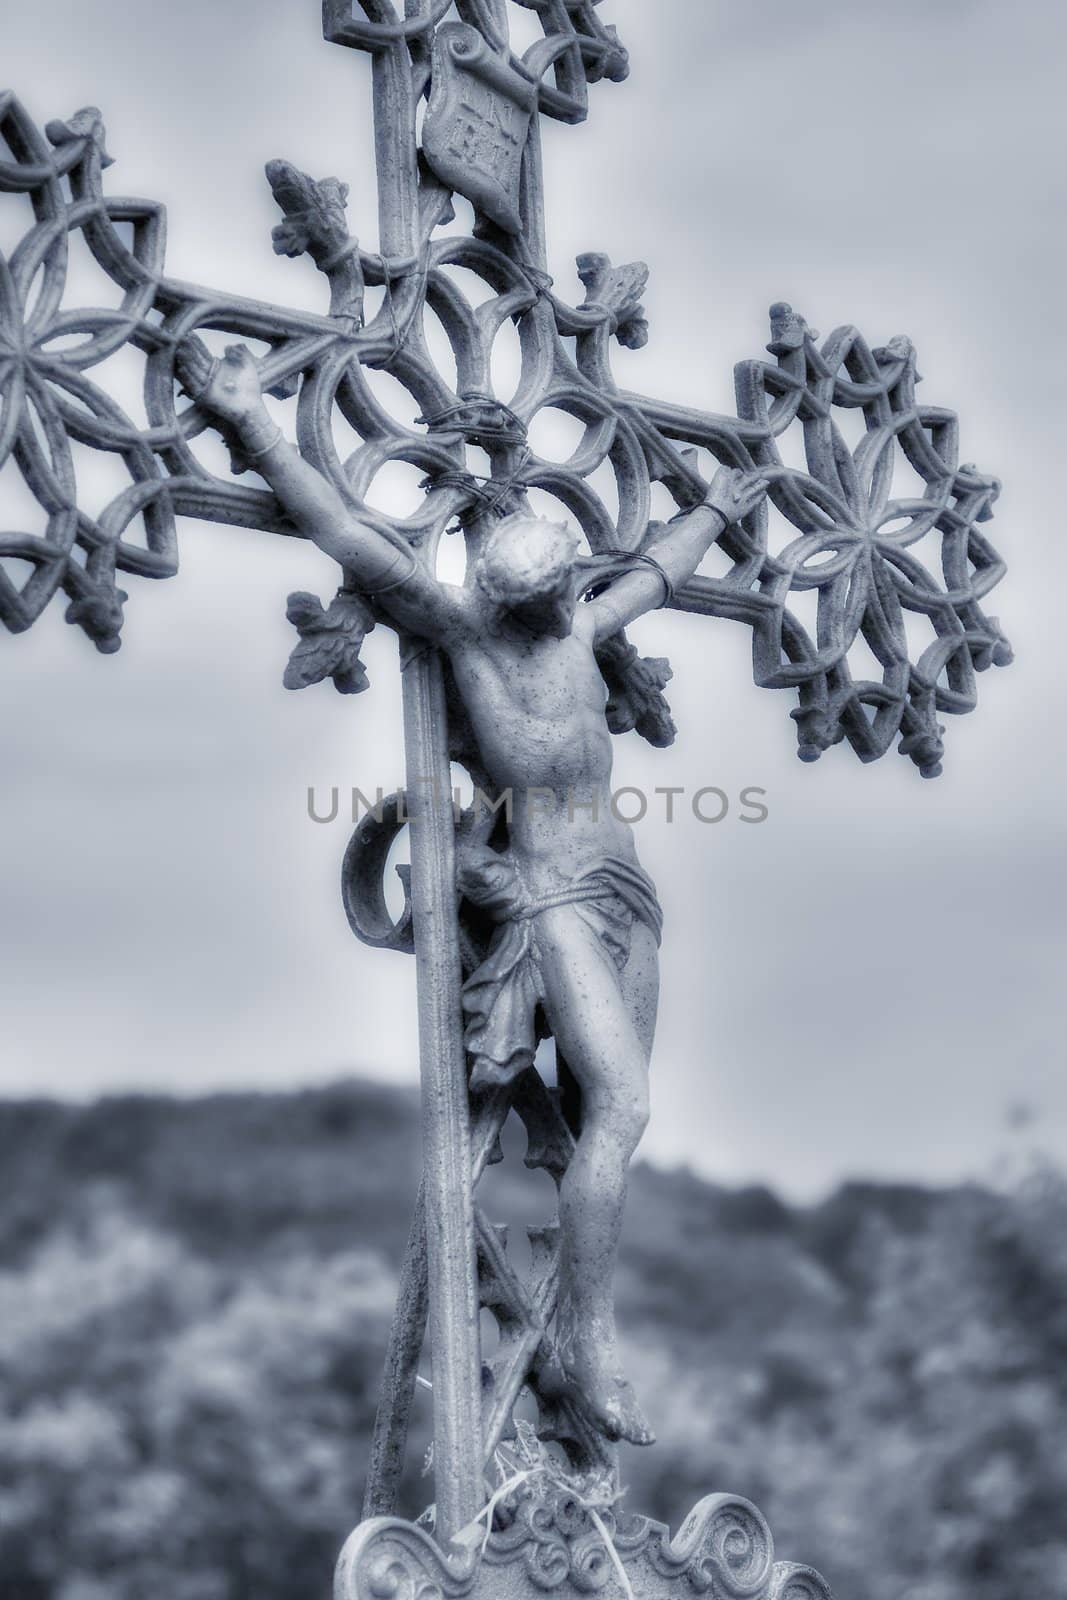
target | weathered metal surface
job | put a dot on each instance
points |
(363, 878)
(446, 1181)
(476, 123)
(548, 1542)
(448, 1204)
(578, 49)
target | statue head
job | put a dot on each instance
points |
(527, 570)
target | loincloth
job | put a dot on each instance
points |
(500, 998)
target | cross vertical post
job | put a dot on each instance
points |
(447, 1202)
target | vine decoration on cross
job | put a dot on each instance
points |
(835, 529)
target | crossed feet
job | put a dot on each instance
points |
(588, 1374)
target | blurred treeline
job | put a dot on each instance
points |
(194, 1298)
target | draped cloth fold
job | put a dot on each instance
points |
(500, 998)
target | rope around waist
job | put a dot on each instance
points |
(562, 897)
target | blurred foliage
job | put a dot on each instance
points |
(194, 1299)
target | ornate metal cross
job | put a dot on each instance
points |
(836, 529)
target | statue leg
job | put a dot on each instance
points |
(603, 1024)
(640, 985)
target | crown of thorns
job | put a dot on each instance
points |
(525, 556)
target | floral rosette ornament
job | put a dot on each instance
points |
(855, 546)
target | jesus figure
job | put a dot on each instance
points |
(577, 917)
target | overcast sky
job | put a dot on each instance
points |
(865, 983)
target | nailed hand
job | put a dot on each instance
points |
(228, 387)
(733, 493)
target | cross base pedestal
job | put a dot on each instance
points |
(547, 1542)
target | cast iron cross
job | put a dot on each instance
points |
(835, 529)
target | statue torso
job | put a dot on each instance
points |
(536, 707)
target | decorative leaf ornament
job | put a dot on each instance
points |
(330, 641)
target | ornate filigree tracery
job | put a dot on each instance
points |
(854, 541)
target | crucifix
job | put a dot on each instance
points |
(529, 915)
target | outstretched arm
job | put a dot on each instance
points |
(679, 550)
(230, 389)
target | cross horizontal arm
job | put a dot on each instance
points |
(671, 559)
(386, 569)
(839, 510)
